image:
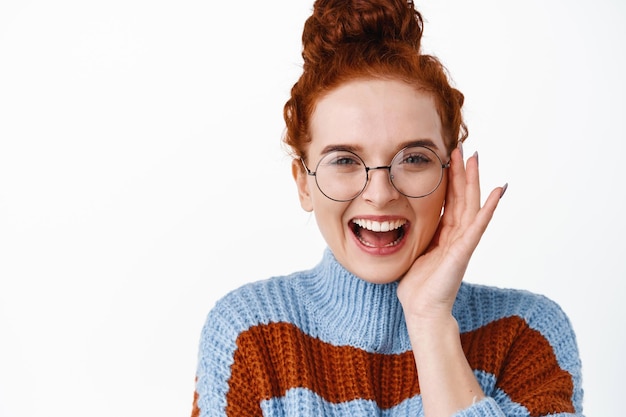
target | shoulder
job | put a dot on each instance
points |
(522, 314)
(478, 304)
(261, 302)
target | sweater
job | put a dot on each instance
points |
(324, 342)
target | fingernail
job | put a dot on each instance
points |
(460, 146)
(476, 156)
(504, 188)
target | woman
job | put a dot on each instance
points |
(384, 325)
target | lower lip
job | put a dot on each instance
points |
(383, 251)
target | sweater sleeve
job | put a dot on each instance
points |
(540, 371)
(487, 407)
(217, 348)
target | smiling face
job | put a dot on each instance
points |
(378, 235)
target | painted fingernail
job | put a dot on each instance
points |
(504, 188)
(460, 146)
(476, 156)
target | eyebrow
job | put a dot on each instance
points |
(357, 148)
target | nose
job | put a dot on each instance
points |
(379, 190)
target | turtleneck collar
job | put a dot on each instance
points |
(352, 311)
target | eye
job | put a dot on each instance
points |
(342, 159)
(341, 162)
(416, 158)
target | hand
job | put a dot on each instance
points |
(428, 290)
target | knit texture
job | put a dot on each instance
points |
(325, 343)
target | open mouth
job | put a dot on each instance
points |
(379, 234)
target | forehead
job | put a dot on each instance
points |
(377, 117)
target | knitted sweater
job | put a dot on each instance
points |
(325, 343)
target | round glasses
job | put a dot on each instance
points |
(415, 171)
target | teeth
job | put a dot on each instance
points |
(376, 226)
(366, 243)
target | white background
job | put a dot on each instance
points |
(142, 177)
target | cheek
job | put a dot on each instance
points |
(328, 214)
(427, 214)
(434, 203)
(428, 217)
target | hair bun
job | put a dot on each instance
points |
(335, 23)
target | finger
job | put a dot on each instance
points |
(455, 195)
(484, 216)
(472, 185)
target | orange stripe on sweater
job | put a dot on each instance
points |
(271, 359)
(195, 410)
(524, 364)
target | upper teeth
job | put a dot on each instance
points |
(376, 226)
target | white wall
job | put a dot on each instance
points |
(142, 177)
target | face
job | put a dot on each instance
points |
(375, 119)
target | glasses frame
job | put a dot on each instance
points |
(368, 169)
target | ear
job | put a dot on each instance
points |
(301, 178)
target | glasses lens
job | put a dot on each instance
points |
(341, 175)
(416, 171)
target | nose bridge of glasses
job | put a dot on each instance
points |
(379, 190)
(386, 168)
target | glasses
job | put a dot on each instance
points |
(415, 171)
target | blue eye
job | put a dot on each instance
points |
(344, 160)
(417, 159)
(341, 162)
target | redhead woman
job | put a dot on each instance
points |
(384, 324)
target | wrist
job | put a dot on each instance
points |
(433, 328)
(447, 382)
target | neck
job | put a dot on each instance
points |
(353, 311)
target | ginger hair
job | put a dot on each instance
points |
(344, 40)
